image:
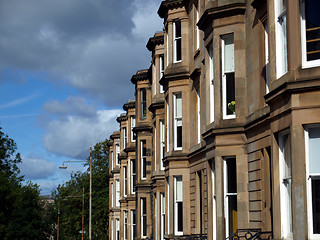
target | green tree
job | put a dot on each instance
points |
(22, 215)
(68, 198)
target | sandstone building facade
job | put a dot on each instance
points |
(223, 136)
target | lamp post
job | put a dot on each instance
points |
(90, 189)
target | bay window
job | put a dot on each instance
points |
(143, 151)
(228, 77)
(143, 95)
(143, 217)
(281, 37)
(230, 191)
(177, 105)
(310, 32)
(285, 183)
(313, 179)
(177, 40)
(178, 206)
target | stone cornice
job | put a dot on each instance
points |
(122, 117)
(129, 105)
(220, 12)
(157, 39)
(168, 5)
(115, 135)
(142, 128)
(156, 105)
(141, 75)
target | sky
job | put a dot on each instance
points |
(65, 70)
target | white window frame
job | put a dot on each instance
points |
(305, 62)
(168, 118)
(117, 154)
(125, 224)
(155, 147)
(154, 82)
(112, 220)
(226, 193)
(285, 192)
(224, 76)
(211, 79)
(161, 70)
(111, 162)
(197, 28)
(143, 162)
(133, 124)
(163, 215)
(143, 103)
(143, 201)
(167, 40)
(281, 39)
(162, 143)
(214, 214)
(125, 182)
(177, 179)
(309, 177)
(266, 52)
(124, 137)
(198, 116)
(175, 41)
(177, 120)
(117, 229)
(117, 193)
(156, 216)
(133, 224)
(112, 194)
(168, 205)
(133, 175)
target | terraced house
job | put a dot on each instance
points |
(223, 136)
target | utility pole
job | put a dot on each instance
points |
(90, 196)
(82, 211)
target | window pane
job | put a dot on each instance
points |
(231, 176)
(312, 29)
(180, 216)
(179, 134)
(178, 50)
(228, 53)
(177, 28)
(179, 196)
(314, 146)
(178, 105)
(230, 85)
(316, 205)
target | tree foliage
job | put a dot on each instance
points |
(68, 198)
(22, 212)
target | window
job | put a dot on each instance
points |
(112, 229)
(161, 70)
(177, 121)
(133, 175)
(162, 143)
(111, 163)
(163, 215)
(125, 223)
(143, 103)
(228, 78)
(178, 206)
(155, 215)
(143, 217)
(177, 40)
(117, 229)
(285, 183)
(133, 224)
(211, 79)
(124, 137)
(112, 193)
(199, 199)
(230, 189)
(310, 33)
(125, 183)
(168, 114)
(117, 193)
(133, 124)
(266, 53)
(198, 116)
(117, 154)
(143, 150)
(155, 146)
(197, 28)
(167, 41)
(168, 202)
(281, 37)
(214, 221)
(154, 78)
(313, 179)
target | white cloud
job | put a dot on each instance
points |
(36, 168)
(73, 135)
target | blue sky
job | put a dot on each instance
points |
(65, 69)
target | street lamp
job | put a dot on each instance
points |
(90, 190)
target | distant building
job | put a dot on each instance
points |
(224, 132)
